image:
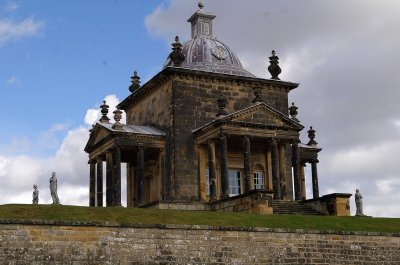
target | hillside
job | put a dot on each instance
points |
(126, 216)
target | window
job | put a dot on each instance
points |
(258, 180)
(234, 182)
(207, 181)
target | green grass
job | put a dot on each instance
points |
(154, 216)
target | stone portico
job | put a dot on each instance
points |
(204, 134)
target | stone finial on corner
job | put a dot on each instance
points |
(135, 80)
(311, 136)
(104, 112)
(91, 129)
(257, 95)
(117, 117)
(221, 105)
(201, 5)
(274, 68)
(293, 112)
(177, 57)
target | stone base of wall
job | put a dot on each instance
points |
(255, 201)
(95, 243)
(336, 204)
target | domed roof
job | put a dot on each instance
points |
(206, 53)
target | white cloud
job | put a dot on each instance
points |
(11, 7)
(12, 80)
(18, 173)
(12, 30)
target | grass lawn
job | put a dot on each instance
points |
(154, 216)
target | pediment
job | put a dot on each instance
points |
(262, 114)
(258, 116)
(98, 134)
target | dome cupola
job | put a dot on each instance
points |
(204, 52)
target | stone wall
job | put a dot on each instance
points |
(195, 104)
(93, 243)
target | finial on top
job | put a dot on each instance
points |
(177, 57)
(104, 112)
(221, 105)
(135, 80)
(274, 68)
(311, 136)
(293, 112)
(201, 5)
(117, 117)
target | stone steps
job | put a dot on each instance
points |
(292, 207)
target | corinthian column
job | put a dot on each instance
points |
(92, 184)
(211, 170)
(117, 177)
(224, 166)
(246, 163)
(99, 182)
(296, 171)
(275, 170)
(314, 175)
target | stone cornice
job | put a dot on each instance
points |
(220, 78)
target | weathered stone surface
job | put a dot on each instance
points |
(95, 243)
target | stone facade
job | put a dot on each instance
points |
(202, 129)
(87, 243)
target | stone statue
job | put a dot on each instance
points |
(359, 205)
(53, 188)
(35, 195)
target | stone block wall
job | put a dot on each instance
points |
(94, 243)
(336, 204)
(195, 104)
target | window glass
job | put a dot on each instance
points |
(234, 182)
(258, 180)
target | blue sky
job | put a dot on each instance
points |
(60, 59)
(80, 52)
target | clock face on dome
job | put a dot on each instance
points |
(219, 52)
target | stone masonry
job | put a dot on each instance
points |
(35, 242)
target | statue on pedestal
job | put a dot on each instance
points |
(35, 195)
(53, 188)
(359, 205)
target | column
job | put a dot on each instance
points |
(117, 176)
(211, 170)
(162, 186)
(109, 179)
(275, 170)
(246, 163)
(224, 166)
(99, 182)
(314, 175)
(92, 184)
(140, 177)
(282, 170)
(302, 181)
(296, 170)
(129, 184)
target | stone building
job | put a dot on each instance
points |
(206, 134)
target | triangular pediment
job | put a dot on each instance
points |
(98, 134)
(259, 115)
(262, 114)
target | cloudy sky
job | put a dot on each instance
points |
(59, 60)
